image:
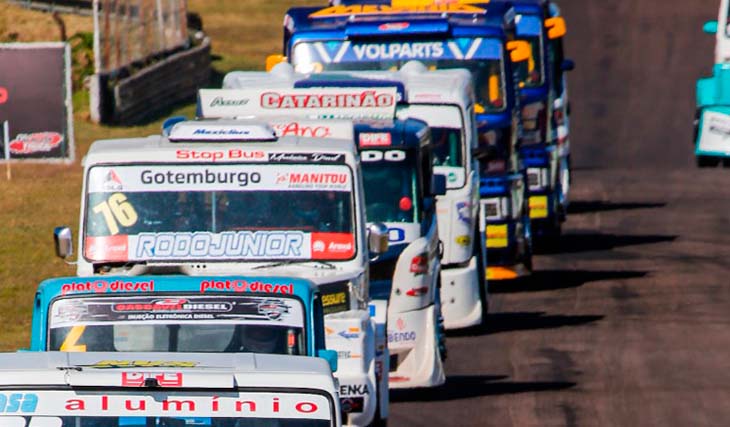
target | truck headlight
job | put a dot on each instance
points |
(537, 178)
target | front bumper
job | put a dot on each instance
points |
(461, 303)
(414, 355)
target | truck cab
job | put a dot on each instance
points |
(399, 149)
(64, 389)
(712, 119)
(230, 198)
(218, 314)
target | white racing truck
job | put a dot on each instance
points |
(53, 389)
(219, 198)
(399, 189)
(445, 100)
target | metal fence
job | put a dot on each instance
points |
(131, 31)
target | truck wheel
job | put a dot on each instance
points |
(481, 277)
(440, 328)
(707, 161)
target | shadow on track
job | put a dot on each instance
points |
(468, 386)
(588, 242)
(550, 280)
(588, 206)
(524, 321)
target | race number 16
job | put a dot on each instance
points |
(117, 210)
(3, 95)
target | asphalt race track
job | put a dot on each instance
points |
(627, 323)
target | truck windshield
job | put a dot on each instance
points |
(391, 185)
(218, 212)
(482, 56)
(214, 408)
(529, 29)
(178, 323)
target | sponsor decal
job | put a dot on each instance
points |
(306, 158)
(329, 330)
(3, 95)
(393, 26)
(364, 99)
(464, 240)
(206, 176)
(216, 155)
(273, 309)
(350, 333)
(402, 334)
(108, 364)
(244, 405)
(171, 305)
(378, 9)
(335, 297)
(112, 182)
(165, 379)
(375, 139)
(246, 286)
(412, 50)
(396, 234)
(354, 390)
(497, 236)
(107, 248)
(13, 403)
(348, 355)
(333, 245)
(538, 207)
(220, 101)
(104, 286)
(39, 142)
(241, 244)
(377, 155)
(463, 209)
(304, 130)
(317, 180)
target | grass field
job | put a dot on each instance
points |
(40, 197)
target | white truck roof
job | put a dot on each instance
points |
(423, 86)
(200, 370)
(218, 137)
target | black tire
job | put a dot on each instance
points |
(707, 161)
(481, 277)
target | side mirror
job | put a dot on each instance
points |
(274, 59)
(330, 356)
(567, 65)
(556, 27)
(438, 184)
(710, 27)
(63, 239)
(377, 238)
(519, 50)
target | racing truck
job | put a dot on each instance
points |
(377, 35)
(544, 142)
(63, 389)
(712, 118)
(399, 190)
(231, 198)
(211, 314)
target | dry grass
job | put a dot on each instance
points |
(41, 196)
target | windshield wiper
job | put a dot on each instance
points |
(329, 265)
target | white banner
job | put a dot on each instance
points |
(278, 177)
(350, 102)
(167, 404)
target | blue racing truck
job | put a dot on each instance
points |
(368, 36)
(544, 146)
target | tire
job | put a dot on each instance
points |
(481, 277)
(440, 328)
(707, 161)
